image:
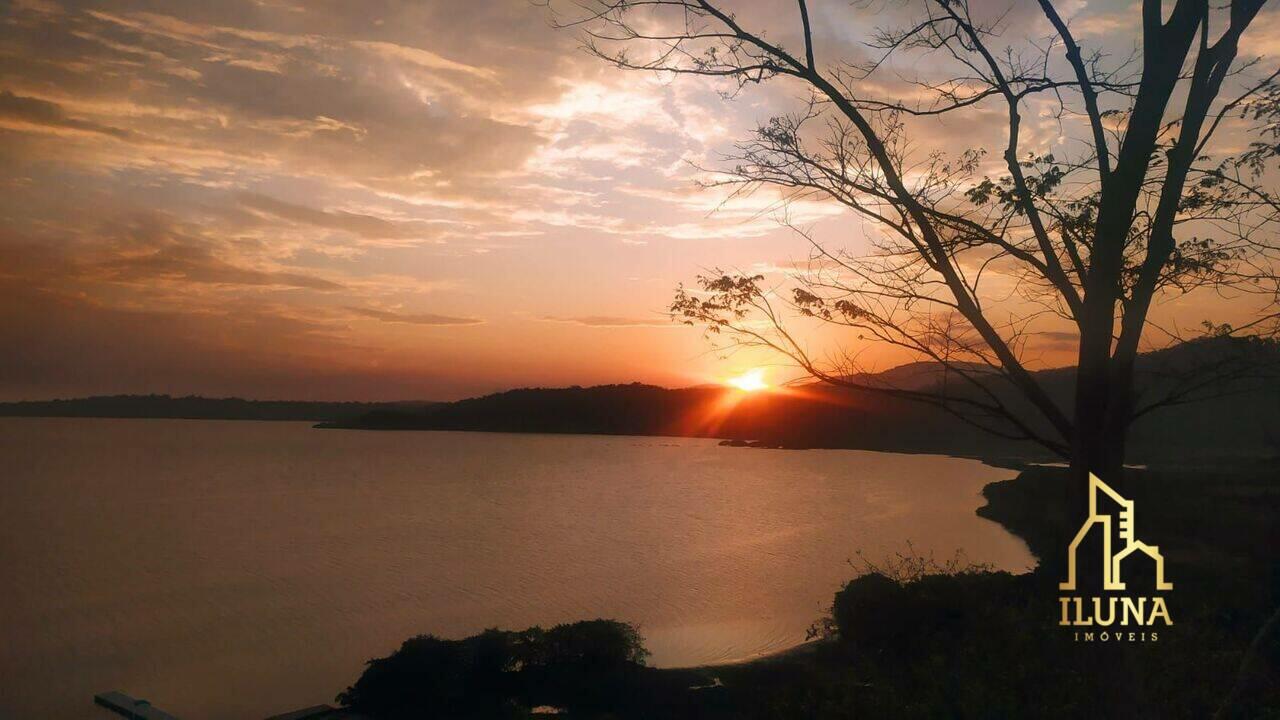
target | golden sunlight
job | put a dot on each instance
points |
(749, 381)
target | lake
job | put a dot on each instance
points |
(240, 569)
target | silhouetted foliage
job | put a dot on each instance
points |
(587, 666)
(878, 615)
(975, 251)
(194, 407)
(432, 677)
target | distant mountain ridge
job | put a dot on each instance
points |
(922, 375)
(1246, 421)
(193, 407)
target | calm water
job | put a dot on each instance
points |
(236, 569)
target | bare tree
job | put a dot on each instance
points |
(972, 255)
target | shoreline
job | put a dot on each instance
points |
(1142, 457)
(993, 504)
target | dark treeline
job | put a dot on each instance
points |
(808, 417)
(195, 407)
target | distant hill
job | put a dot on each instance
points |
(914, 375)
(809, 417)
(197, 408)
(1244, 421)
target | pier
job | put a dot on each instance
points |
(137, 709)
(130, 707)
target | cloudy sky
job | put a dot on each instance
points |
(372, 200)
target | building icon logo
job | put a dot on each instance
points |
(1112, 616)
(1112, 563)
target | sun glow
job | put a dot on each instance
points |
(749, 381)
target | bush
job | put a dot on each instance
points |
(498, 673)
(872, 611)
(911, 597)
(430, 677)
(598, 642)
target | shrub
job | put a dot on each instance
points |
(500, 673)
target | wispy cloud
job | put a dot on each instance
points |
(390, 316)
(612, 321)
(44, 114)
(365, 226)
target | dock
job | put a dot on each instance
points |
(130, 707)
(318, 712)
(137, 709)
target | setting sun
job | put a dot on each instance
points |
(749, 381)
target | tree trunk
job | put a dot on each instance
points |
(1096, 446)
(1103, 395)
(1101, 423)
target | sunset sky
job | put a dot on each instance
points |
(377, 200)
